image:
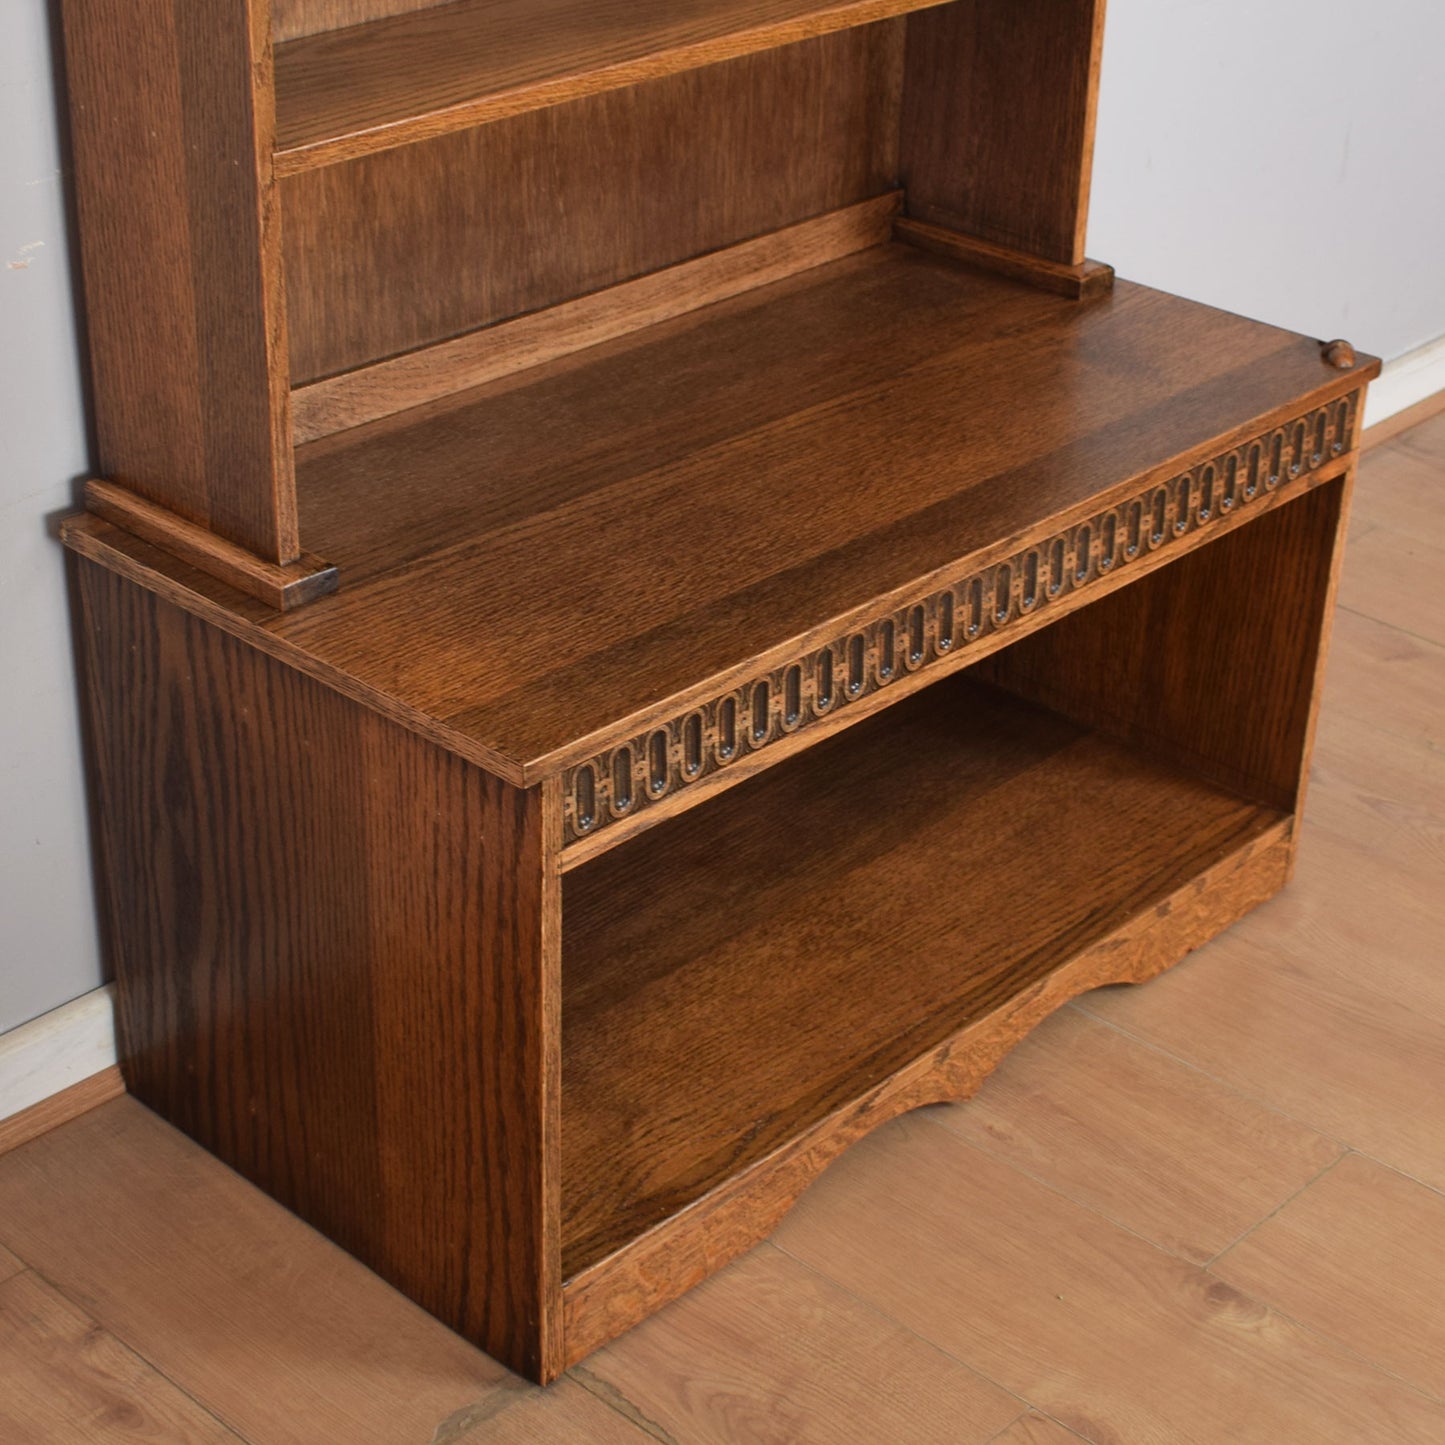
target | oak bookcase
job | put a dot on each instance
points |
(647, 608)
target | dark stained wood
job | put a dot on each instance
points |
(1087, 279)
(772, 476)
(346, 93)
(291, 19)
(998, 121)
(417, 377)
(1211, 662)
(649, 456)
(603, 1300)
(279, 585)
(336, 954)
(415, 246)
(171, 120)
(725, 986)
(776, 469)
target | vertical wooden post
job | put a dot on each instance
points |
(998, 121)
(172, 118)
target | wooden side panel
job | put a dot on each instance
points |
(172, 117)
(293, 18)
(337, 958)
(1212, 661)
(401, 249)
(998, 120)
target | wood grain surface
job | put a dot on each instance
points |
(415, 246)
(691, 983)
(999, 100)
(279, 585)
(291, 19)
(348, 992)
(60, 1108)
(171, 129)
(1345, 1258)
(61, 1376)
(834, 1370)
(1077, 1315)
(226, 1293)
(347, 93)
(612, 1296)
(1080, 282)
(1161, 1148)
(783, 466)
(477, 357)
(774, 465)
(1235, 701)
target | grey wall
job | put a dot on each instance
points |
(48, 950)
(1279, 158)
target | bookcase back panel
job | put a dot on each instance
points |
(408, 247)
(291, 19)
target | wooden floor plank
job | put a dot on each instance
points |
(769, 1351)
(1092, 1325)
(244, 1307)
(1357, 1256)
(1153, 1144)
(1336, 1053)
(1399, 488)
(9, 1264)
(64, 1379)
(1383, 676)
(1393, 576)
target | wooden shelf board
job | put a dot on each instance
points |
(347, 93)
(542, 562)
(736, 975)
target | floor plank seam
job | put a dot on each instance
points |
(93, 1318)
(1093, 1209)
(1385, 622)
(1258, 1223)
(1335, 1343)
(621, 1404)
(1026, 1405)
(1273, 1108)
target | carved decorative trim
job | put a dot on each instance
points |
(673, 755)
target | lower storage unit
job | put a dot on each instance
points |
(545, 1078)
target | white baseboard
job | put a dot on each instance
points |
(1406, 380)
(60, 1048)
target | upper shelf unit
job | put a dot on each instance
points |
(410, 77)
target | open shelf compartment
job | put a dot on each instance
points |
(738, 974)
(412, 76)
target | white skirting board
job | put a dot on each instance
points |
(1406, 380)
(60, 1048)
(76, 1040)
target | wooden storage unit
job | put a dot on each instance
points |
(648, 608)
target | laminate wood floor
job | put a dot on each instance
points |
(1209, 1209)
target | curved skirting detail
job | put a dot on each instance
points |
(609, 1297)
(928, 633)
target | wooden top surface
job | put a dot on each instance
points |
(345, 93)
(535, 569)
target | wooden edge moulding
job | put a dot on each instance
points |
(468, 1007)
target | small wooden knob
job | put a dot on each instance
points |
(1340, 354)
